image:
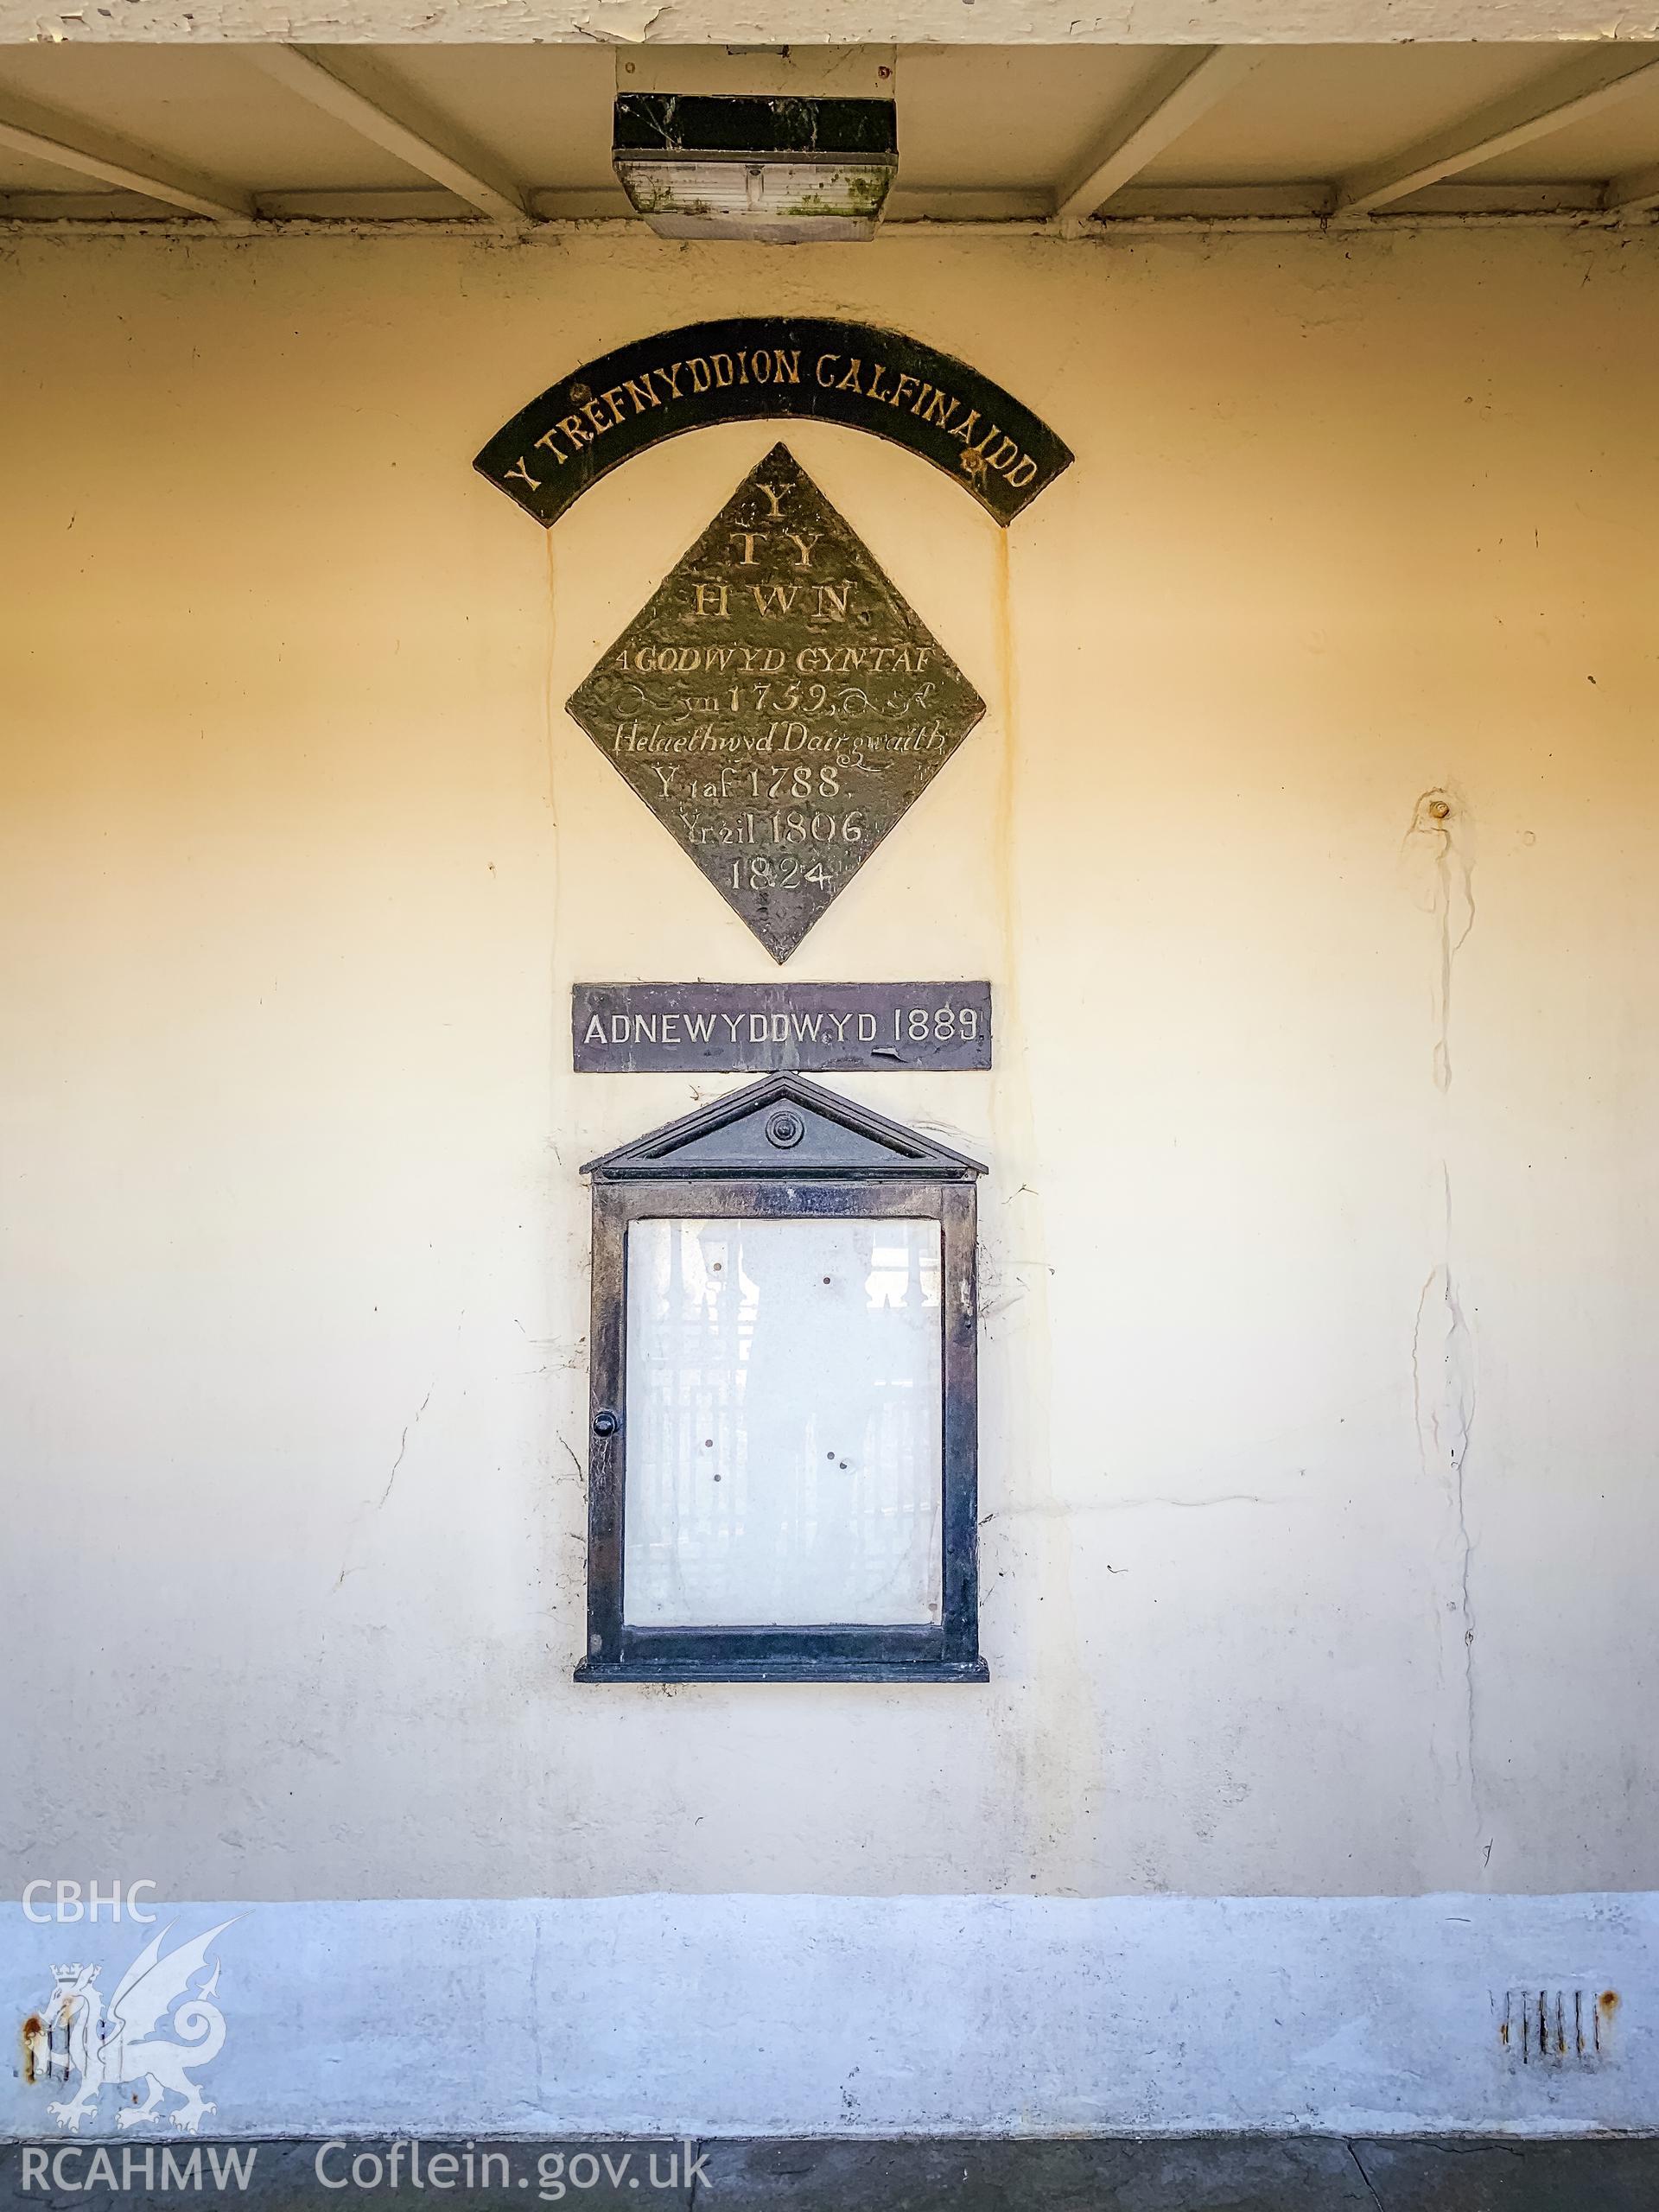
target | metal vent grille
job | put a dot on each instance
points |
(1556, 2027)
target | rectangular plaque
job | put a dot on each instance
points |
(750, 1028)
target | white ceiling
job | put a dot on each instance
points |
(985, 133)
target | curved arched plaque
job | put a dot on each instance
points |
(762, 368)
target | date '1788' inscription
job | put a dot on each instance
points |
(777, 704)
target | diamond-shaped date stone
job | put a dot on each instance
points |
(776, 704)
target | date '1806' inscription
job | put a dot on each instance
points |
(776, 704)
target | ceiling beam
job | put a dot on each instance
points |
(1573, 94)
(1171, 101)
(808, 23)
(25, 129)
(386, 117)
(1636, 192)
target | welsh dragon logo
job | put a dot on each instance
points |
(76, 2035)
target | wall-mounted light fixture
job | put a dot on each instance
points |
(783, 147)
(784, 171)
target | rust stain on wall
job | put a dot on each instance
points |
(1437, 860)
(1437, 857)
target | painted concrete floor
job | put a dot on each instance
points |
(1184, 2174)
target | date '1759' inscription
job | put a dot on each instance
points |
(776, 704)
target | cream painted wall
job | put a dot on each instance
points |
(302, 856)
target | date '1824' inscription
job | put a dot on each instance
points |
(776, 704)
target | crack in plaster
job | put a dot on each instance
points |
(377, 1505)
(402, 1447)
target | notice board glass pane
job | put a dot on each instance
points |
(783, 1423)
